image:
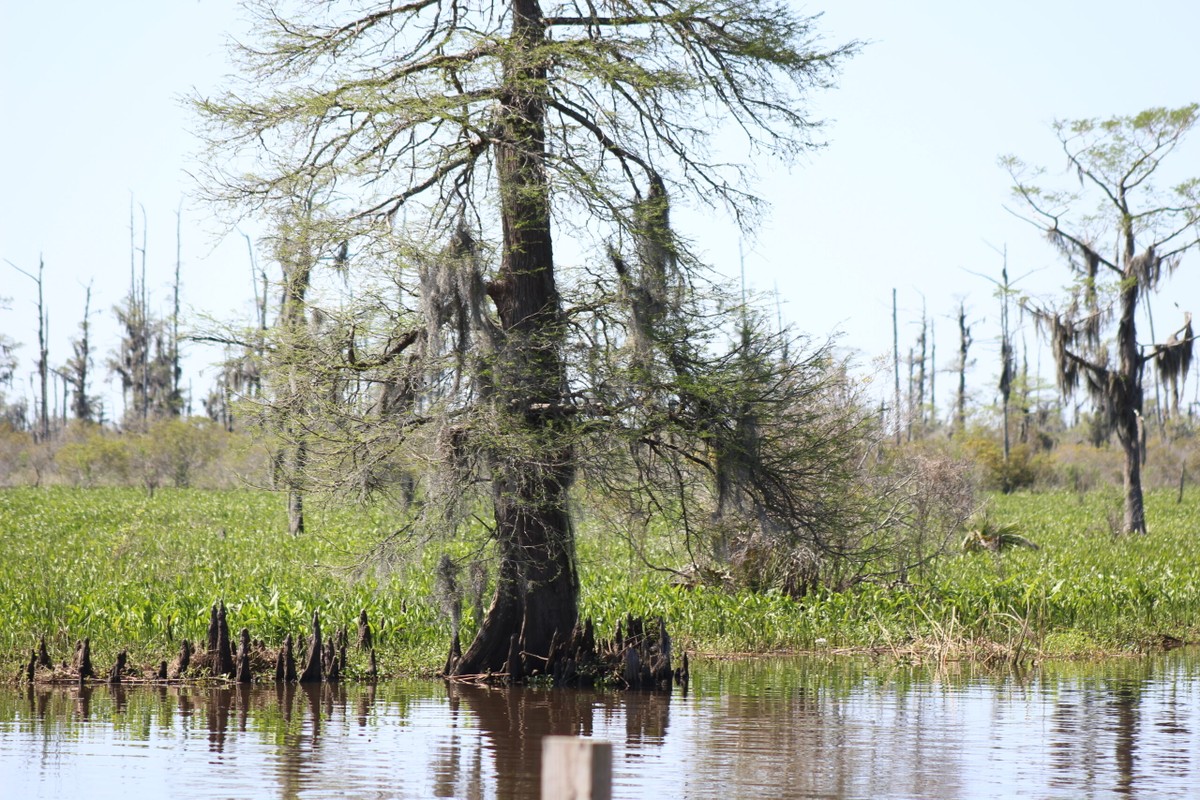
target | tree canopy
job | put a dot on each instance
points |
(1123, 224)
(498, 179)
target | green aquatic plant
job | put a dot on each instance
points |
(141, 573)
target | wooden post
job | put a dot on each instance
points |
(574, 768)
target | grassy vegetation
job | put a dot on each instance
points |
(141, 572)
(138, 572)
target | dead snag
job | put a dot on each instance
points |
(553, 654)
(213, 628)
(683, 675)
(514, 666)
(341, 640)
(632, 669)
(332, 667)
(660, 664)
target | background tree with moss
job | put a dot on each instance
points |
(450, 151)
(1121, 231)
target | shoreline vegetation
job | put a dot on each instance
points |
(138, 574)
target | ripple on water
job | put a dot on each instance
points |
(761, 729)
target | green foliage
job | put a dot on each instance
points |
(172, 450)
(141, 572)
(15, 445)
(138, 571)
(1082, 592)
(94, 455)
(1024, 467)
(177, 452)
(1119, 199)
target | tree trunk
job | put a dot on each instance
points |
(43, 364)
(1135, 513)
(1126, 397)
(896, 366)
(295, 506)
(537, 589)
(964, 344)
(296, 260)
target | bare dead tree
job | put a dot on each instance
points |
(1008, 360)
(43, 362)
(176, 366)
(922, 359)
(964, 346)
(932, 372)
(896, 367)
(147, 358)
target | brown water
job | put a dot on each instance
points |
(761, 729)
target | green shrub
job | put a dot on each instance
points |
(93, 456)
(1023, 468)
(174, 450)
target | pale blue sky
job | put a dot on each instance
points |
(907, 193)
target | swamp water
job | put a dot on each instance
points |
(779, 728)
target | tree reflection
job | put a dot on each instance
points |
(1125, 710)
(753, 730)
(515, 720)
(216, 717)
(1089, 721)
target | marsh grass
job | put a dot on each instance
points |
(137, 572)
(1085, 592)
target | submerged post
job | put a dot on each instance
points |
(574, 768)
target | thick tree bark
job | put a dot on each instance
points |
(1135, 513)
(537, 589)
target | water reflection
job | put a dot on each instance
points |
(778, 729)
(1114, 734)
(513, 722)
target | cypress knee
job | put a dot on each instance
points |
(243, 660)
(114, 677)
(312, 672)
(364, 631)
(43, 657)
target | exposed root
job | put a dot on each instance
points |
(637, 657)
